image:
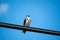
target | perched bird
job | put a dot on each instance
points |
(26, 23)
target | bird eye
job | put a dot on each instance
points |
(26, 19)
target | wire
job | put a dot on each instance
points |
(32, 29)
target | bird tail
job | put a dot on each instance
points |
(24, 31)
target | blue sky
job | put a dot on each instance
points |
(44, 14)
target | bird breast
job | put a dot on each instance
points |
(27, 23)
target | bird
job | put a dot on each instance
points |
(26, 23)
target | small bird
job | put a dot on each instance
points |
(26, 22)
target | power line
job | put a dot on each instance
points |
(33, 29)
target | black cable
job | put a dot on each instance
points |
(20, 27)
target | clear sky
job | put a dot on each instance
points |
(44, 14)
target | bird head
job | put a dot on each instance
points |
(28, 17)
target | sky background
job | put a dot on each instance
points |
(44, 14)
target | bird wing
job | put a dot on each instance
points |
(24, 22)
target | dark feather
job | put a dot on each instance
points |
(24, 22)
(24, 31)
